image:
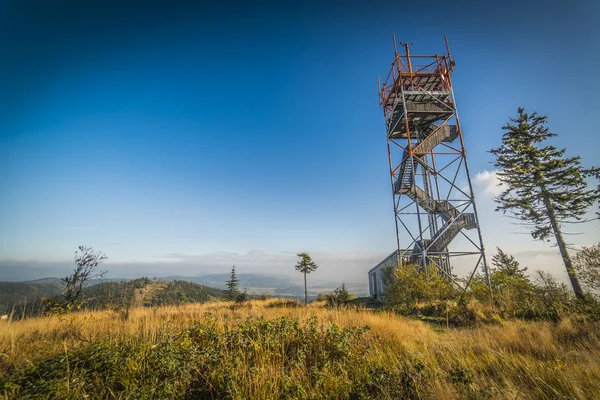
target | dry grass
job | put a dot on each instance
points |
(512, 360)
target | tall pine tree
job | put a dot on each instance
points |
(233, 286)
(542, 188)
(305, 265)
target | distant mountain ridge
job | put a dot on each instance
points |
(45, 281)
(248, 280)
(59, 281)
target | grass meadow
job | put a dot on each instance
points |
(278, 349)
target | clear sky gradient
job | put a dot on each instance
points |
(199, 136)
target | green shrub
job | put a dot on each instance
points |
(285, 304)
(264, 296)
(413, 291)
(586, 264)
(339, 297)
(407, 286)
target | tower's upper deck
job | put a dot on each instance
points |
(416, 76)
(419, 86)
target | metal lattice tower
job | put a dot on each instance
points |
(434, 206)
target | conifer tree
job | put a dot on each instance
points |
(542, 188)
(233, 286)
(507, 264)
(305, 265)
(511, 287)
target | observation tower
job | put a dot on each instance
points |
(434, 205)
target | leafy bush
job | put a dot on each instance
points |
(517, 296)
(408, 286)
(513, 292)
(412, 291)
(264, 296)
(587, 266)
(285, 304)
(339, 297)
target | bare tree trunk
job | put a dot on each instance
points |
(305, 291)
(560, 241)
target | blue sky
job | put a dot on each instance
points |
(207, 135)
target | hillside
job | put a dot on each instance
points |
(24, 298)
(276, 349)
(145, 292)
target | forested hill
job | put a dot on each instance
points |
(25, 298)
(146, 292)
